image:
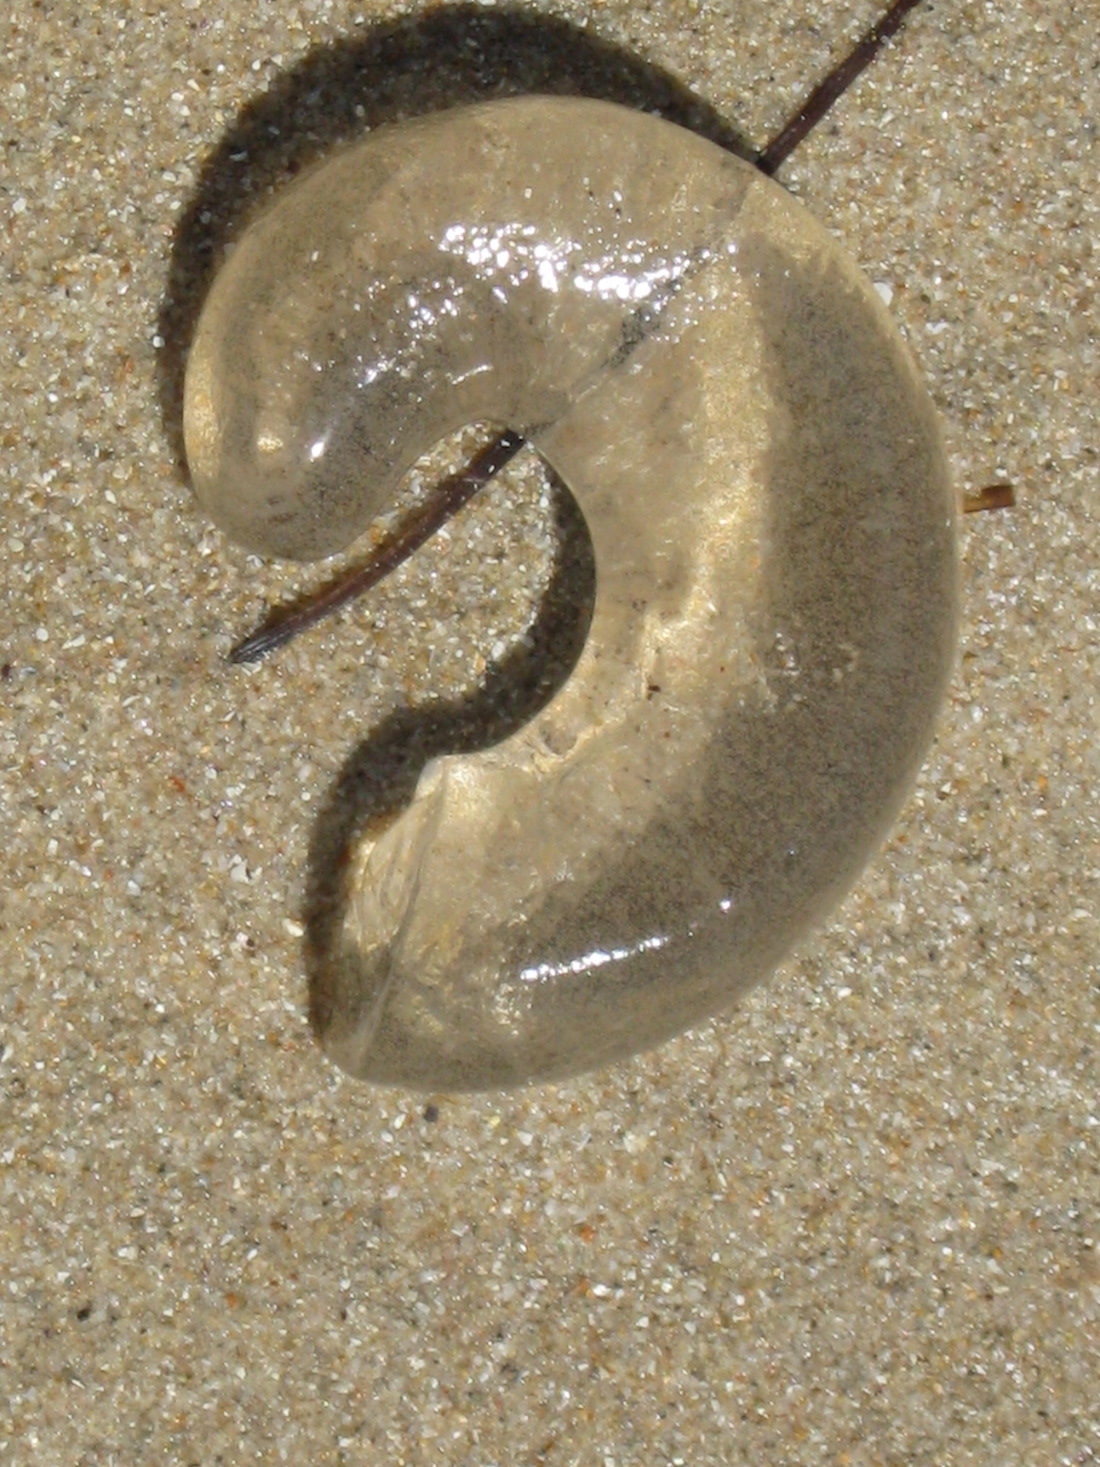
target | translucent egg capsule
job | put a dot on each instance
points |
(763, 481)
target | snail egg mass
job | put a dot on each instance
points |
(762, 477)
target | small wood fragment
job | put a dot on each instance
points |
(991, 496)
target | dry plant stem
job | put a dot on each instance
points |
(991, 496)
(823, 96)
(457, 490)
(447, 499)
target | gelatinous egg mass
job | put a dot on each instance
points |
(762, 477)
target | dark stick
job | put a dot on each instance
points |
(456, 491)
(447, 499)
(990, 496)
(821, 99)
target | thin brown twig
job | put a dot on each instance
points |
(827, 92)
(447, 499)
(990, 496)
